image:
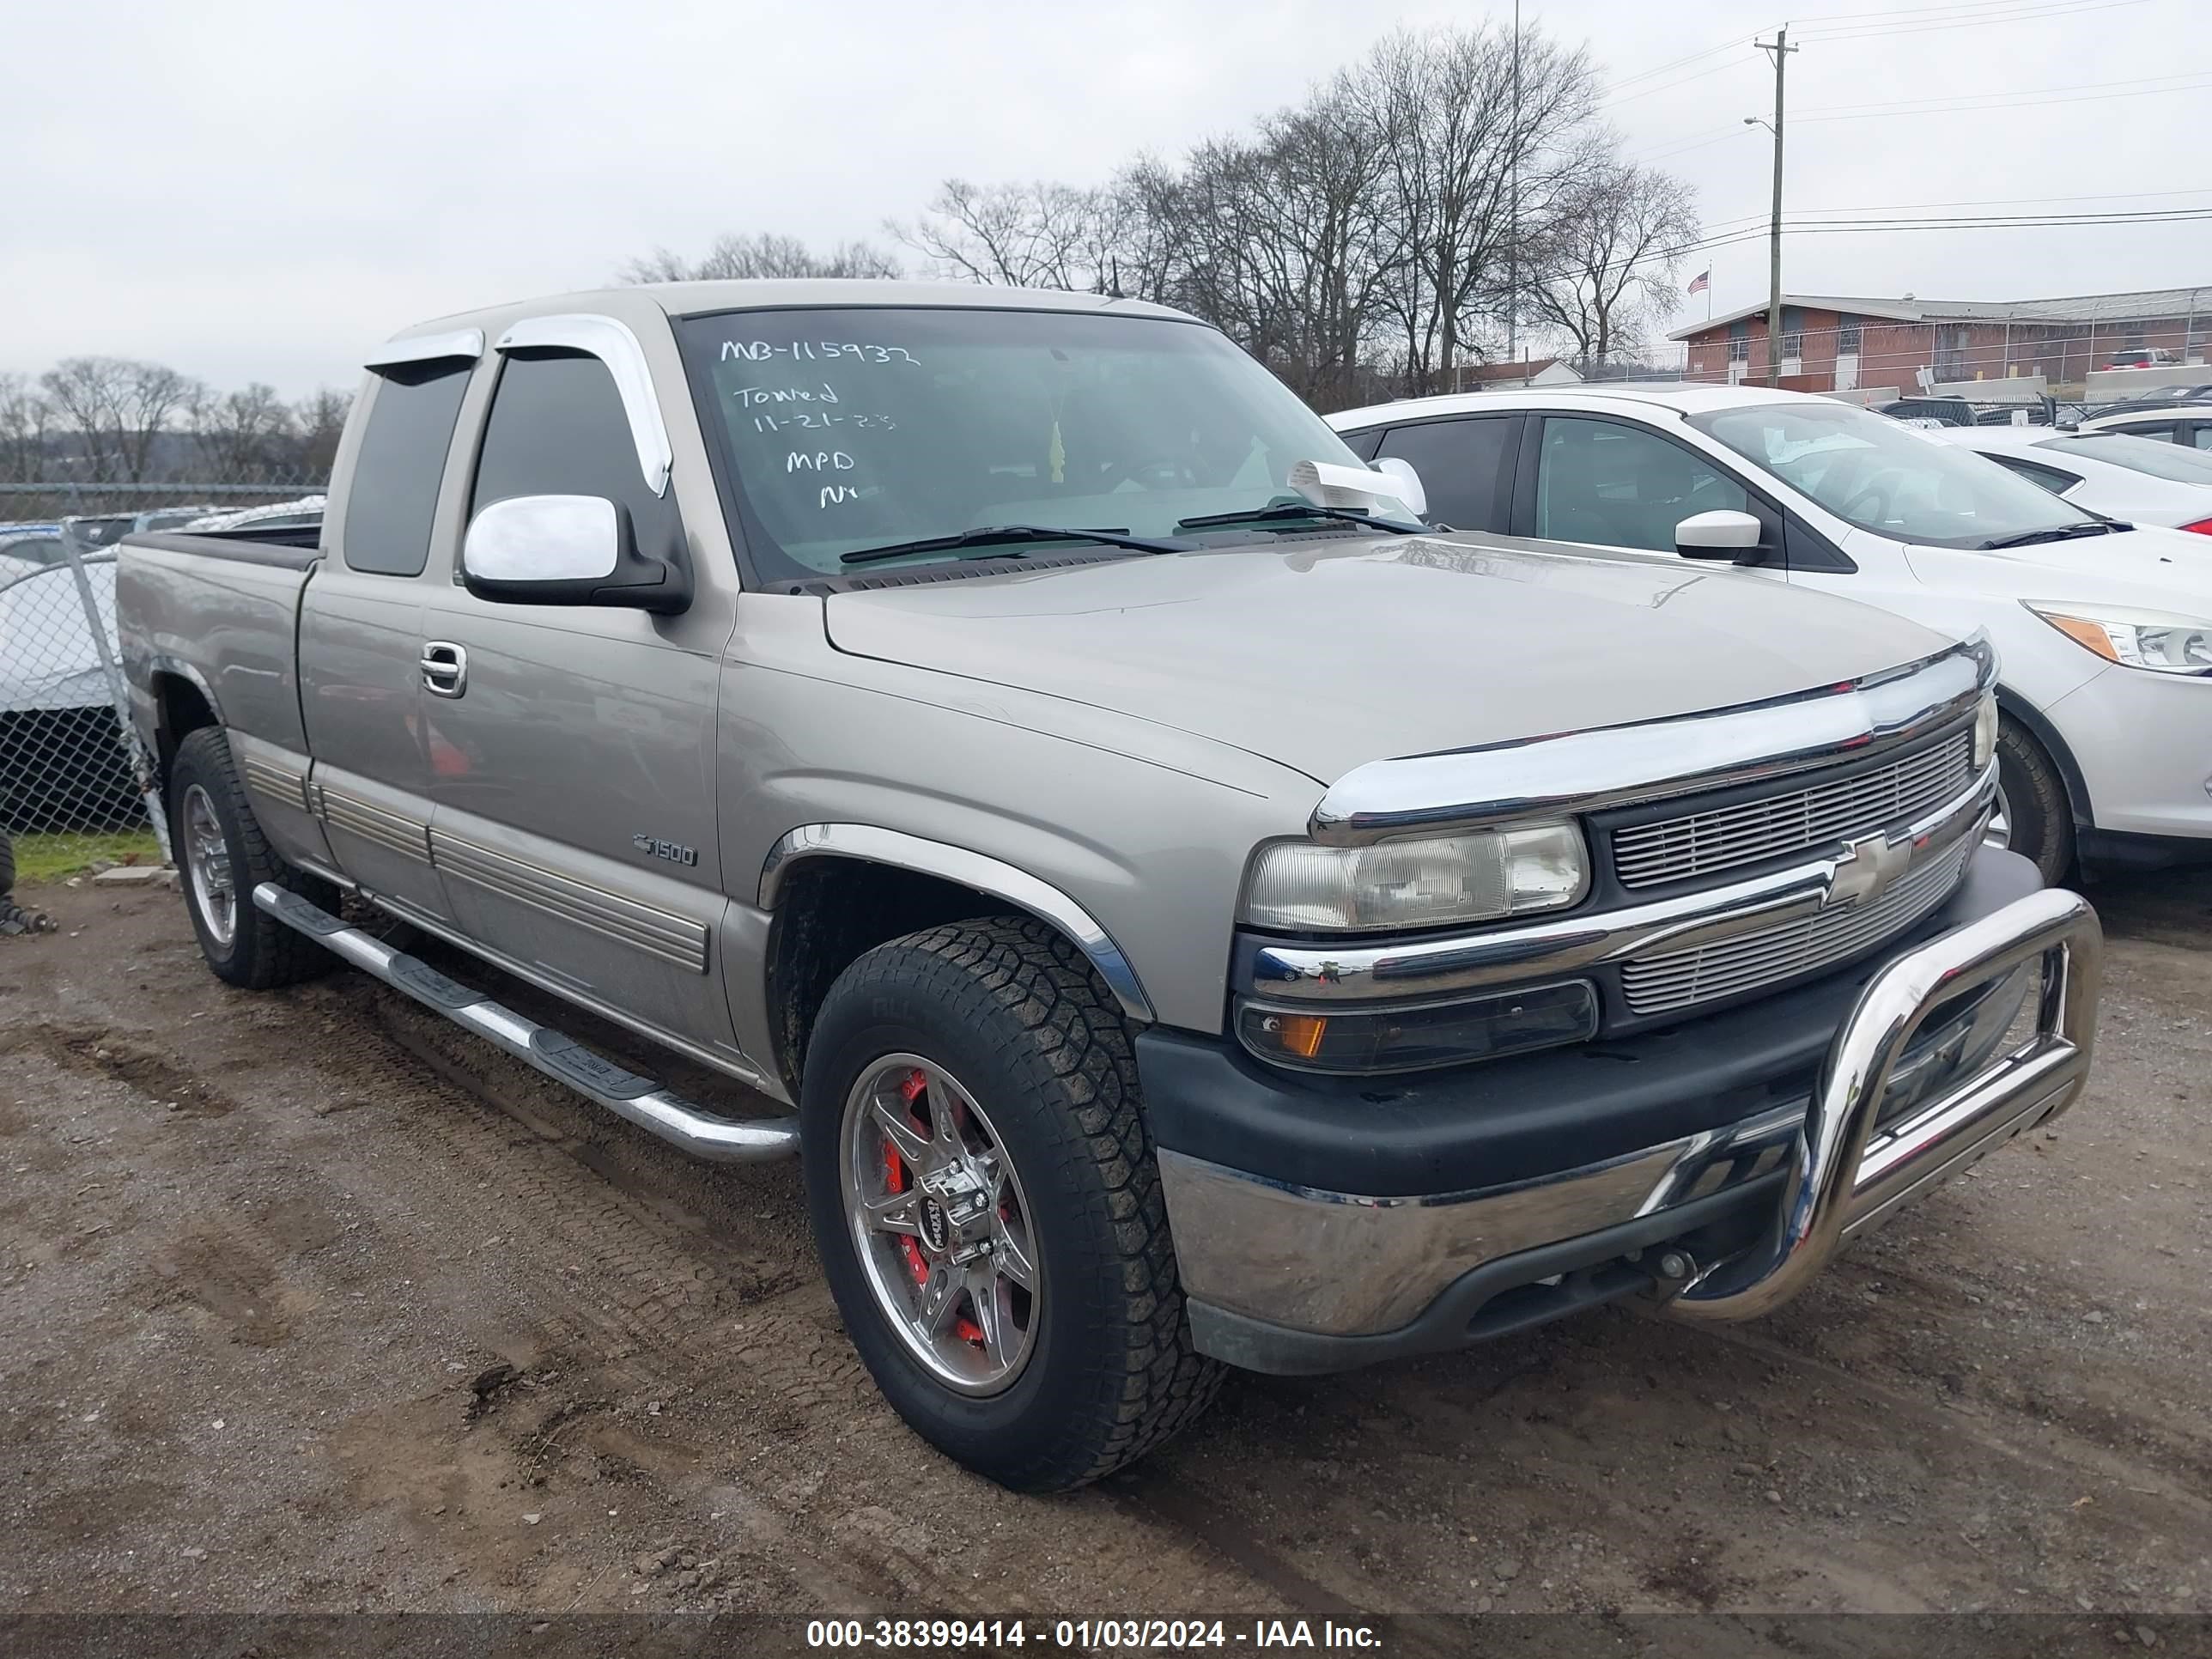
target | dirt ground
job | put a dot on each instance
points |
(309, 1302)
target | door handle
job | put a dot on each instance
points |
(445, 669)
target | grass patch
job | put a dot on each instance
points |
(64, 853)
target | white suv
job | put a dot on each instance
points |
(2105, 630)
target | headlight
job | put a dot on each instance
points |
(1985, 730)
(2137, 639)
(1300, 887)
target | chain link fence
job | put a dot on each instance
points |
(77, 790)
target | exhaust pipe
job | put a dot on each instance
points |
(560, 1056)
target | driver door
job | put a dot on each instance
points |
(1597, 481)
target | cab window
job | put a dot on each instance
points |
(557, 427)
(394, 491)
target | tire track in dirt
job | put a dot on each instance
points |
(701, 1315)
(97, 1051)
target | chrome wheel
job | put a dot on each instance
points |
(940, 1224)
(207, 864)
(1998, 832)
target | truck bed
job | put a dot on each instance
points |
(220, 611)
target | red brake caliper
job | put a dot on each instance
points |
(894, 1170)
(916, 1083)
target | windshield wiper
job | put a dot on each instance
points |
(1300, 510)
(2063, 533)
(990, 534)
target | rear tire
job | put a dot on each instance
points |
(1001, 1023)
(7, 864)
(2036, 805)
(221, 850)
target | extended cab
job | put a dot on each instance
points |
(1180, 909)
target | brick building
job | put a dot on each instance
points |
(1836, 343)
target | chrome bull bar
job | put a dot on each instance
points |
(1845, 1175)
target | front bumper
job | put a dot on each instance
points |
(2142, 742)
(1728, 1217)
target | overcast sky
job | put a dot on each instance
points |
(248, 189)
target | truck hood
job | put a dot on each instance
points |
(1325, 655)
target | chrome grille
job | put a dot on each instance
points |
(1776, 825)
(1659, 984)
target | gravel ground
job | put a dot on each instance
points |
(311, 1303)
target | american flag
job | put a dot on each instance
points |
(1701, 282)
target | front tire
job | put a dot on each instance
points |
(221, 857)
(2032, 797)
(984, 1195)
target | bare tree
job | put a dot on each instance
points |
(317, 421)
(26, 415)
(1037, 234)
(1607, 261)
(1475, 162)
(1283, 245)
(241, 437)
(116, 409)
(761, 254)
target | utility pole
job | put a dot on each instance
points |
(1781, 49)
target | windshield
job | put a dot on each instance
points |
(2161, 460)
(1873, 473)
(863, 427)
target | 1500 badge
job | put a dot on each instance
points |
(653, 848)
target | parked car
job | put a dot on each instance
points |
(2165, 396)
(2107, 472)
(1929, 412)
(276, 515)
(2105, 631)
(98, 529)
(1184, 901)
(2143, 357)
(62, 761)
(2187, 424)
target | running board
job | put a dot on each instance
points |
(561, 1057)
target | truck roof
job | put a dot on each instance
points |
(696, 298)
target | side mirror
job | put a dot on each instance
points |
(1719, 535)
(1410, 489)
(565, 550)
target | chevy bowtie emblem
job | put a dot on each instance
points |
(1866, 868)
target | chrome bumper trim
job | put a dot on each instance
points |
(1305, 974)
(1342, 1264)
(1615, 765)
(1843, 1176)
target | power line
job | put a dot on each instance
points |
(1960, 7)
(1996, 103)
(1719, 237)
(1667, 86)
(2062, 9)
(2016, 94)
(2009, 201)
(1728, 44)
(1684, 147)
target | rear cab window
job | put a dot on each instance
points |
(394, 492)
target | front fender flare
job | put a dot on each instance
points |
(874, 845)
